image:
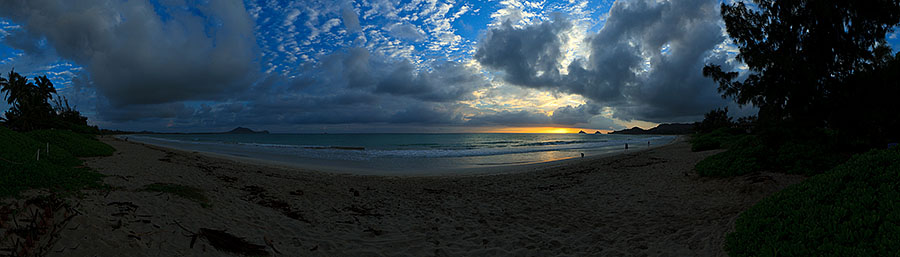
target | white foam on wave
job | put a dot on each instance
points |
(342, 153)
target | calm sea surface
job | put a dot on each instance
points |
(404, 154)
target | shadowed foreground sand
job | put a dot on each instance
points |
(643, 203)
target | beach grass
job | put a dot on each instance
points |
(850, 210)
(187, 192)
(57, 170)
(18, 148)
(79, 145)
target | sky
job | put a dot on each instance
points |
(374, 65)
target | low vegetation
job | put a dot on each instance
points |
(187, 192)
(80, 145)
(57, 170)
(746, 155)
(41, 138)
(851, 210)
(806, 158)
(717, 139)
(821, 76)
(792, 151)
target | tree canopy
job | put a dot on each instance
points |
(805, 57)
(31, 109)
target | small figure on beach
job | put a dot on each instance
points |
(648, 143)
(626, 145)
(582, 155)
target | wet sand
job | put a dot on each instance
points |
(646, 203)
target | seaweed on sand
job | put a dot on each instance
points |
(227, 242)
(223, 241)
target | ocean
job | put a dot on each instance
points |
(405, 154)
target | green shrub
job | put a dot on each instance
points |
(850, 210)
(80, 145)
(720, 138)
(715, 119)
(704, 143)
(746, 155)
(806, 158)
(792, 151)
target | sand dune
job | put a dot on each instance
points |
(647, 203)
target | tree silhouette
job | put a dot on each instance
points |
(14, 88)
(31, 105)
(18, 93)
(45, 89)
(715, 119)
(802, 53)
(68, 114)
(806, 58)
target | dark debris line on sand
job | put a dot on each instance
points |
(223, 241)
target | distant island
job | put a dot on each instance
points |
(662, 129)
(243, 130)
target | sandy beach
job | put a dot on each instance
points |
(646, 203)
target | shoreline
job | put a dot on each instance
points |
(488, 169)
(642, 203)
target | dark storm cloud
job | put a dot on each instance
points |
(602, 122)
(527, 56)
(448, 81)
(356, 86)
(145, 111)
(309, 109)
(584, 115)
(570, 115)
(510, 118)
(352, 68)
(139, 54)
(357, 69)
(645, 62)
(428, 113)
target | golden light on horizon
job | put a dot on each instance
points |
(547, 130)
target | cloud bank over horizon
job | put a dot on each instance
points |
(171, 65)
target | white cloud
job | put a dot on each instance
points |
(290, 18)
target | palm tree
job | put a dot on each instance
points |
(45, 88)
(15, 88)
(30, 107)
(4, 89)
(35, 106)
(31, 104)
